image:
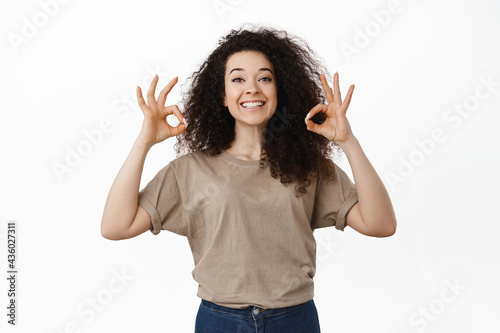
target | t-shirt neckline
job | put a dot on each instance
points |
(230, 158)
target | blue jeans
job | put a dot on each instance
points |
(300, 318)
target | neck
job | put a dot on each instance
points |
(247, 141)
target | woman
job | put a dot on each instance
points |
(251, 234)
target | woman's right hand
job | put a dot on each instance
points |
(155, 127)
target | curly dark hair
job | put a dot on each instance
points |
(292, 151)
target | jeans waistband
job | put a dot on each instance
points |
(255, 310)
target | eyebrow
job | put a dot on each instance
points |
(260, 70)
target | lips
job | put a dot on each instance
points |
(253, 101)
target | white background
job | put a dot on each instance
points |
(79, 66)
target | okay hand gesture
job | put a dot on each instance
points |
(336, 127)
(155, 127)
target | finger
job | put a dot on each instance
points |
(336, 89)
(174, 109)
(163, 94)
(140, 101)
(151, 92)
(312, 126)
(347, 100)
(327, 89)
(177, 130)
(318, 108)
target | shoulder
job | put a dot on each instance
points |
(327, 170)
(193, 160)
(335, 176)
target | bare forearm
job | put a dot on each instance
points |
(374, 201)
(121, 204)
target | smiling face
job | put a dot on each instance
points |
(250, 88)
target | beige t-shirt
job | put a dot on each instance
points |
(251, 237)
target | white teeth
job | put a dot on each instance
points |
(252, 105)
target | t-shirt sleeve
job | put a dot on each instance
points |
(334, 198)
(161, 198)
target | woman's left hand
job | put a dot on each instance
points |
(336, 127)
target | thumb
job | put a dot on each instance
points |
(179, 129)
(312, 126)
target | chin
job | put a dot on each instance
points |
(261, 122)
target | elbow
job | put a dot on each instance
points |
(106, 233)
(394, 225)
(110, 236)
(389, 231)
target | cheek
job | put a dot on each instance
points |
(233, 96)
(270, 89)
(272, 97)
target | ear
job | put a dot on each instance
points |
(224, 98)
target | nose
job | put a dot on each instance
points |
(252, 88)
